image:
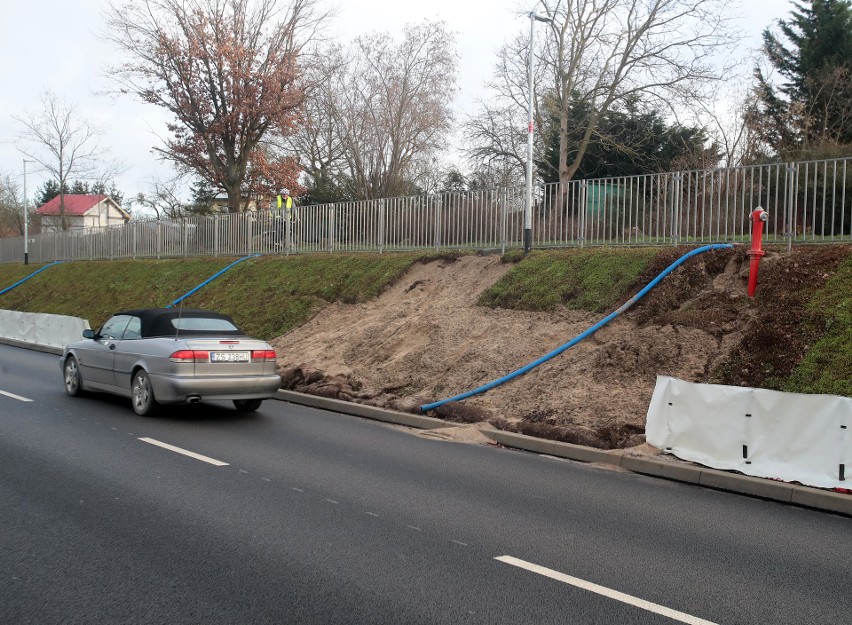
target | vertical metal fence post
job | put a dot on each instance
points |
(215, 235)
(331, 228)
(504, 215)
(288, 233)
(676, 207)
(381, 226)
(791, 203)
(437, 203)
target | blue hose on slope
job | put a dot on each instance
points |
(210, 279)
(584, 335)
(9, 288)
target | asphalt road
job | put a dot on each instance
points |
(324, 518)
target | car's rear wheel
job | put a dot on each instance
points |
(142, 394)
(73, 382)
(247, 405)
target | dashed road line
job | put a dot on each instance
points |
(13, 396)
(298, 490)
(605, 592)
(185, 452)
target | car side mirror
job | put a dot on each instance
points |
(88, 333)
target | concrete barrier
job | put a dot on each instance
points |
(40, 329)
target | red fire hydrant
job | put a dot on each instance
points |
(758, 218)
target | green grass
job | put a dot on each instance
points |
(591, 279)
(267, 296)
(827, 367)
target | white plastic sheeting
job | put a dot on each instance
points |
(786, 436)
(41, 328)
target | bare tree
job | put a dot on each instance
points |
(605, 51)
(163, 198)
(597, 55)
(11, 207)
(228, 71)
(66, 146)
(729, 123)
(497, 136)
(318, 141)
(381, 106)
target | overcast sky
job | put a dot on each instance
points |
(54, 44)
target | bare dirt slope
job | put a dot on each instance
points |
(425, 339)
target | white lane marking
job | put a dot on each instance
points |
(333, 501)
(13, 396)
(185, 452)
(371, 514)
(298, 490)
(606, 592)
(458, 542)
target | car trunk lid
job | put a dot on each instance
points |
(232, 357)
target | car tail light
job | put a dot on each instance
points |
(190, 355)
(263, 355)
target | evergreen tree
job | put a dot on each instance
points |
(325, 187)
(203, 194)
(812, 106)
(47, 191)
(629, 142)
(50, 190)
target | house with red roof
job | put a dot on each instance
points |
(82, 211)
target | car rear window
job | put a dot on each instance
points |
(203, 324)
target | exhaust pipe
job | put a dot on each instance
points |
(193, 399)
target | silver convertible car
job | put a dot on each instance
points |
(168, 356)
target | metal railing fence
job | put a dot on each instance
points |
(807, 202)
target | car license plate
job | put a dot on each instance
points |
(229, 357)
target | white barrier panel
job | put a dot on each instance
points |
(41, 328)
(787, 436)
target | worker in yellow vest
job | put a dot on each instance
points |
(285, 201)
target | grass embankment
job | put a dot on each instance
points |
(827, 367)
(592, 279)
(803, 342)
(267, 296)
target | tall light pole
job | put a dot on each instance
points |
(528, 203)
(26, 217)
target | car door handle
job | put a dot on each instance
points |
(112, 345)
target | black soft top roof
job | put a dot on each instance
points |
(158, 321)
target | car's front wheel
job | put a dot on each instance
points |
(73, 382)
(143, 394)
(247, 405)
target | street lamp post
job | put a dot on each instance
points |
(528, 203)
(26, 217)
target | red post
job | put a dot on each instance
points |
(758, 218)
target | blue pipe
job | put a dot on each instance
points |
(210, 279)
(9, 288)
(584, 335)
